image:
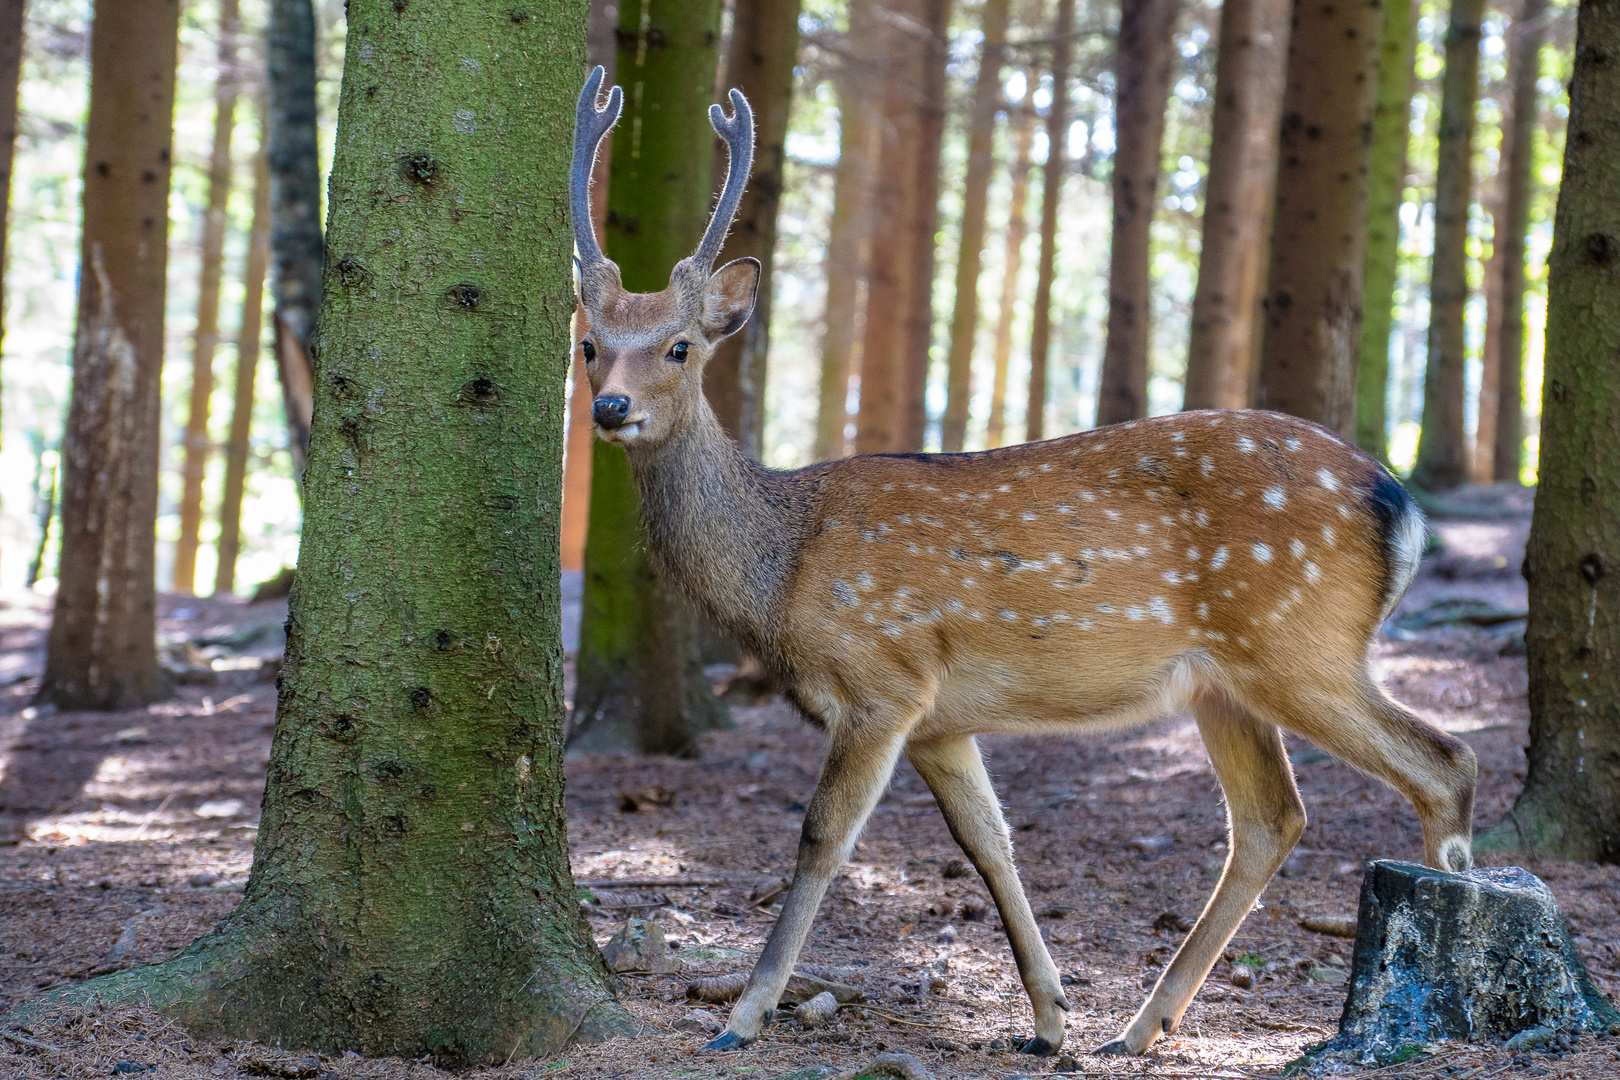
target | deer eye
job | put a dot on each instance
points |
(678, 353)
(590, 351)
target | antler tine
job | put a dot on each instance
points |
(738, 132)
(590, 125)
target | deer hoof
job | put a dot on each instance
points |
(1039, 1047)
(1114, 1048)
(727, 1040)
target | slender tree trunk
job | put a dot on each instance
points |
(249, 343)
(1442, 459)
(45, 473)
(11, 48)
(1524, 64)
(975, 201)
(410, 892)
(206, 338)
(1023, 126)
(1142, 66)
(848, 235)
(1319, 229)
(102, 652)
(1482, 451)
(1386, 187)
(1570, 806)
(641, 684)
(1057, 129)
(295, 196)
(1250, 65)
(764, 48)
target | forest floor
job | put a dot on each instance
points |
(132, 833)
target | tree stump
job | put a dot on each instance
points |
(1485, 953)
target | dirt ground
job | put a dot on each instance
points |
(131, 833)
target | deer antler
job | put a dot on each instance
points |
(590, 125)
(738, 131)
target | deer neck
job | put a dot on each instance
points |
(726, 529)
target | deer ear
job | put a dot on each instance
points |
(728, 296)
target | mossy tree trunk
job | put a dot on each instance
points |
(1570, 806)
(101, 652)
(1386, 184)
(641, 687)
(1057, 127)
(410, 892)
(1442, 459)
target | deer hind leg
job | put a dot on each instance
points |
(954, 772)
(1360, 725)
(1265, 817)
(859, 762)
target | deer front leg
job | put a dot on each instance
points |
(859, 764)
(954, 771)
(1266, 817)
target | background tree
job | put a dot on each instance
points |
(1518, 157)
(419, 733)
(1057, 130)
(1249, 69)
(295, 196)
(1022, 125)
(101, 652)
(1386, 186)
(1570, 806)
(1146, 50)
(11, 49)
(205, 338)
(1319, 228)
(975, 202)
(764, 47)
(1442, 459)
(641, 684)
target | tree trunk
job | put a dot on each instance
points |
(1386, 186)
(101, 652)
(1022, 122)
(11, 48)
(295, 196)
(206, 338)
(764, 48)
(1057, 129)
(1249, 69)
(1319, 229)
(641, 686)
(911, 425)
(1524, 64)
(410, 892)
(1442, 458)
(249, 343)
(1142, 67)
(848, 234)
(1482, 450)
(1570, 806)
(975, 200)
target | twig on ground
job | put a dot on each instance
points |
(26, 1041)
(656, 882)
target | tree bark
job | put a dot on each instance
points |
(975, 202)
(410, 892)
(1057, 130)
(1319, 229)
(641, 687)
(764, 48)
(1524, 64)
(1442, 458)
(206, 338)
(1386, 186)
(101, 652)
(11, 49)
(1250, 64)
(1022, 122)
(249, 343)
(295, 196)
(1570, 806)
(1482, 449)
(1142, 66)
(848, 234)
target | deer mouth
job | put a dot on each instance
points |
(626, 432)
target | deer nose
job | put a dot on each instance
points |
(610, 410)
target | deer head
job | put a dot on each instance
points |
(645, 352)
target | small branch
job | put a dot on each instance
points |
(657, 883)
(25, 1041)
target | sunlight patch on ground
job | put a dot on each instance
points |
(648, 858)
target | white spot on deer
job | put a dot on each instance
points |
(1203, 519)
(868, 535)
(968, 583)
(904, 519)
(1111, 515)
(1203, 611)
(1327, 479)
(1140, 551)
(1192, 553)
(984, 495)
(1144, 528)
(888, 487)
(1160, 609)
(1296, 548)
(1328, 535)
(1045, 466)
(977, 616)
(1274, 497)
(1105, 609)
(868, 617)
(1129, 426)
(863, 581)
(1292, 444)
(1262, 552)
(1344, 511)
(1227, 593)
(1245, 444)
(1004, 487)
(1008, 616)
(1218, 560)
(1088, 496)
(1064, 508)
(1293, 594)
(1177, 436)
(843, 593)
(1206, 465)
(911, 546)
(1028, 515)
(1135, 614)
(1312, 573)
(1216, 421)
(1062, 616)
(1172, 577)
(955, 605)
(902, 593)
(1099, 447)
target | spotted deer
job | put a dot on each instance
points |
(1234, 564)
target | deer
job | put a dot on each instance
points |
(1234, 564)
